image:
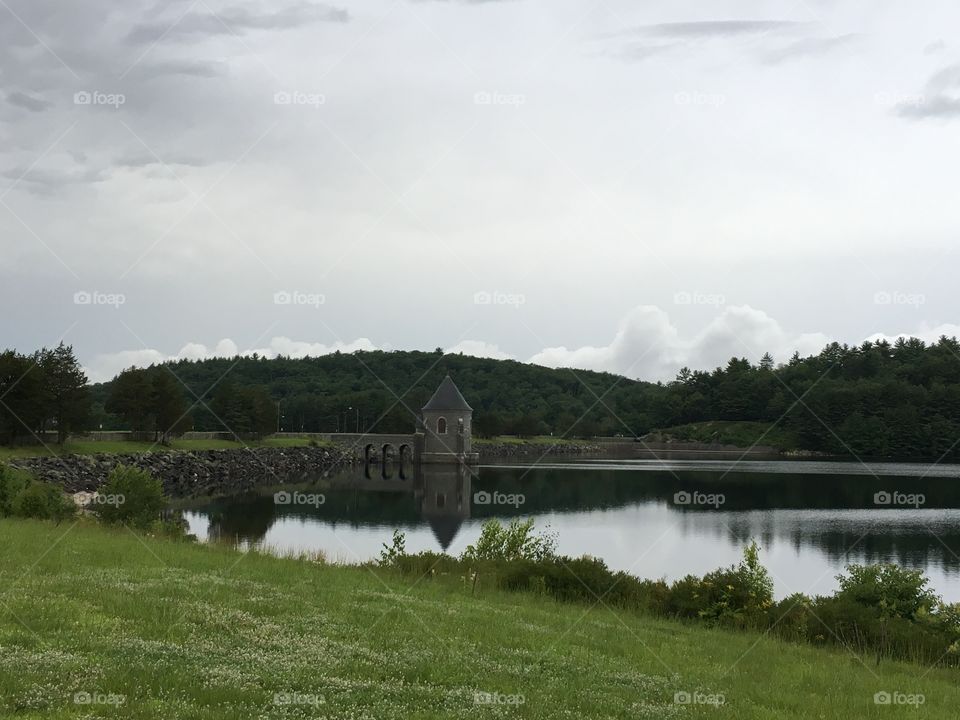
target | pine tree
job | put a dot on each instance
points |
(68, 401)
(170, 411)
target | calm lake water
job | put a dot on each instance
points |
(650, 518)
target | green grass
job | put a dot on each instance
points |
(183, 631)
(741, 433)
(532, 440)
(90, 447)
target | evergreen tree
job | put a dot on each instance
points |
(67, 399)
(131, 399)
(170, 409)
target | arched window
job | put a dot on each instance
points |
(441, 426)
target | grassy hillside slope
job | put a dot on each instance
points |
(154, 629)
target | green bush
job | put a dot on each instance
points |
(11, 484)
(397, 549)
(130, 496)
(22, 496)
(892, 590)
(43, 501)
(516, 541)
(739, 595)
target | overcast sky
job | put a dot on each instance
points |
(613, 185)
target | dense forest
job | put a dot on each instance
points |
(381, 392)
(879, 399)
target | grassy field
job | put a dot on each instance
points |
(102, 623)
(742, 434)
(533, 440)
(90, 447)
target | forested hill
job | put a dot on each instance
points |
(507, 396)
(899, 400)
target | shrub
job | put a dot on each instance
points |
(794, 619)
(11, 484)
(514, 542)
(739, 595)
(892, 590)
(130, 496)
(22, 496)
(397, 549)
(43, 501)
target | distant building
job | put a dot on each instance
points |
(445, 433)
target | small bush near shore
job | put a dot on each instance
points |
(23, 496)
(130, 496)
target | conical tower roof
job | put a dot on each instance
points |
(447, 397)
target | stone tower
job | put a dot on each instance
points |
(446, 426)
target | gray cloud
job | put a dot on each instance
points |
(400, 175)
(680, 33)
(47, 182)
(939, 106)
(941, 99)
(235, 20)
(640, 51)
(716, 28)
(808, 47)
(28, 102)
(186, 68)
(146, 160)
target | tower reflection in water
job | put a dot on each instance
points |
(394, 494)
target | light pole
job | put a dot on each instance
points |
(357, 410)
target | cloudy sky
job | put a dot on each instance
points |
(607, 184)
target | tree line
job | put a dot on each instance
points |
(877, 399)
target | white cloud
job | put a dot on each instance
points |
(927, 333)
(106, 366)
(480, 349)
(298, 349)
(648, 346)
